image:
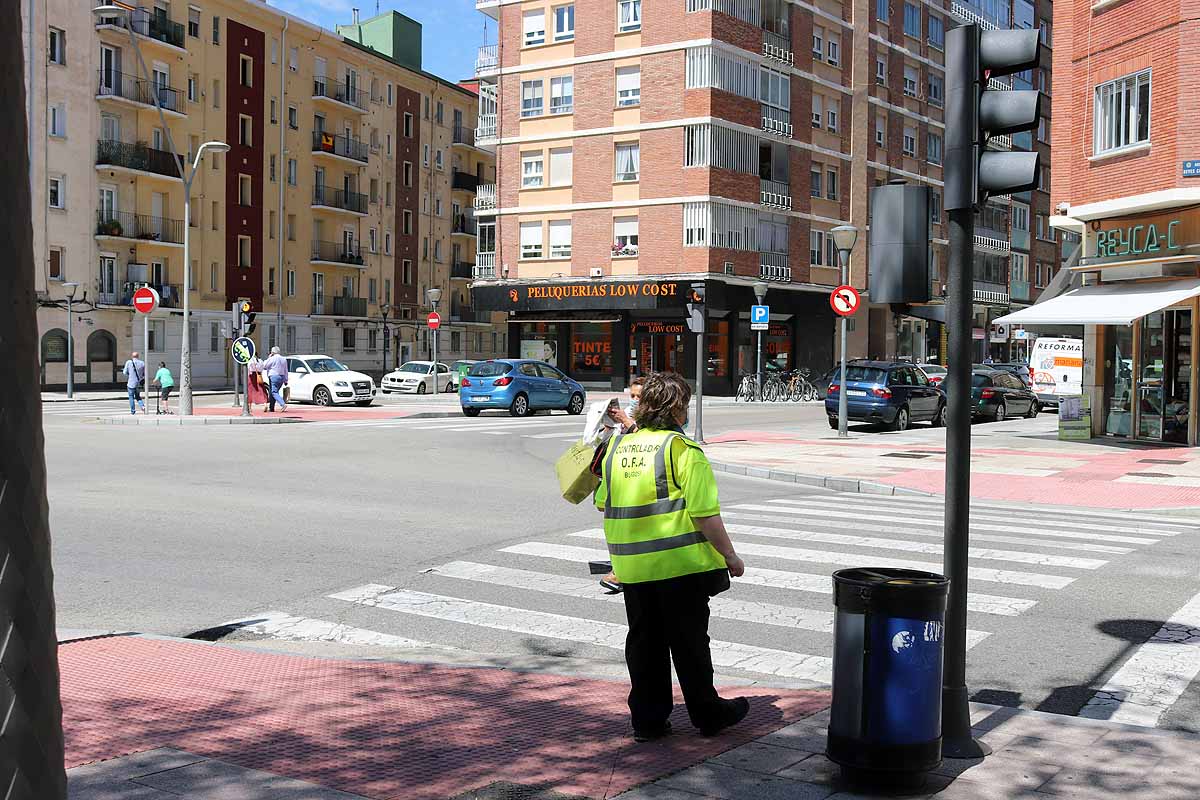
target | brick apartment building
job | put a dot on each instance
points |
(1126, 179)
(643, 145)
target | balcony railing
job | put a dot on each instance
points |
(1020, 291)
(334, 144)
(139, 226)
(745, 10)
(337, 253)
(467, 314)
(1001, 142)
(487, 60)
(464, 181)
(465, 224)
(775, 194)
(485, 266)
(342, 93)
(1020, 239)
(991, 244)
(485, 131)
(136, 156)
(110, 83)
(777, 47)
(344, 306)
(339, 198)
(485, 196)
(464, 135)
(987, 293)
(462, 270)
(777, 121)
(151, 23)
(168, 294)
(774, 267)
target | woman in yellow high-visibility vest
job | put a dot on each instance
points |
(671, 553)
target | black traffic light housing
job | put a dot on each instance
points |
(975, 113)
(695, 308)
(246, 318)
(899, 243)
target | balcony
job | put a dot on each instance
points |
(339, 199)
(136, 157)
(487, 60)
(1020, 239)
(775, 194)
(1020, 291)
(777, 121)
(1000, 142)
(485, 266)
(460, 313)
(340, 93)
(168, 294)
(486, 131)
(464, 182)
(338, 253)
(332, 144)
(989, 294)
(461, 270)
(152, 24)
(340, 306)
(125, 88)
(464, 136)
(485, 196)
(991, 244)
(124, 225)
(777, 47)
(465, 225)
(774, 267)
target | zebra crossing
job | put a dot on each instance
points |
(557, 427)
(776, 622)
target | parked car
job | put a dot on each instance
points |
(998, 395)
(936, 372)
(460, 368)
(891, 393)
(521, 386)
(417, 376)
(1022, 371)
(327, 382)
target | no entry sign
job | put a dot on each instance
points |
(434, 321)
(844, 300)
(145, 300)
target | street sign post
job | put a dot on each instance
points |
(145, 300)
(242, 350)
(844, 300)
(760, 318)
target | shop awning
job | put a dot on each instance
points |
(1106, 304)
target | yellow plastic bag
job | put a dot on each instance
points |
(575, 478)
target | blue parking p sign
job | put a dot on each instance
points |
(760, 316)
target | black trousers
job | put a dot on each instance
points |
(668, 620)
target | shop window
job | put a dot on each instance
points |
(591, 349)
(539, 340)
(717, 345)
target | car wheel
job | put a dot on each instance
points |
(384, 391)
(450, 389)
(1034, 408)
(471, 412)
(322, 397)
(421, 387)
(520, 406)
(939, 418)
(1001, 412)
(363, 403)
(902, 420)
(576, 404)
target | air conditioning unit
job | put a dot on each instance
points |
(597, 272)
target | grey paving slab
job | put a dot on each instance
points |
(735, 784)
(1031, 750)
(131, 766)
(816, 769)
(1012, 774)
(802, 735)
(655, 792)
(1111, 783)
(116, 790)
(218, 780)
(760, 757)
(961, 789)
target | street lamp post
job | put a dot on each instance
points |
(434, 294)
(69, 287)
(760, 292)
(383, 310)
(844, 237)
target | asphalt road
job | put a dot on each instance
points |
(449, 533)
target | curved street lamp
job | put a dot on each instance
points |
(844, 238)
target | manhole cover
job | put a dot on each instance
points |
(1150, 474)
(1159, 461)
(906, 455)
(503, 790)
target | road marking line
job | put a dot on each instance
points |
(857, 559)
(1150, 682)
(554, 435)
(727, 655)
(772, 578)
(937, 534)
(278, 625)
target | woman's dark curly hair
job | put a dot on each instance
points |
(664, 394)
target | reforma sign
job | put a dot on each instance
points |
(583, 295)
(1147, 236)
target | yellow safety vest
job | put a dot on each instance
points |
(651, 536)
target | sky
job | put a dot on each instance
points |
(452, 30)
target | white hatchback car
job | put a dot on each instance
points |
(417, 376)
(327, 382)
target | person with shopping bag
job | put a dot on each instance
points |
(671, 553)
(603, 420)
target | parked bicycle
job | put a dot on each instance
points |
(747, 389)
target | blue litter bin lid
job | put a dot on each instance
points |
(886, 590)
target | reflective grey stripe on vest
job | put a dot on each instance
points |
(660, 468)
(656, 545)
(664, 505)
(612, 451)
(649, 510)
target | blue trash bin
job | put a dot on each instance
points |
(886, 712)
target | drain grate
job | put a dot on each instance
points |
(906, 455)
(1160, 461)
(503, 790)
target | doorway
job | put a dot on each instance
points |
(655, 347)
(1164, 376)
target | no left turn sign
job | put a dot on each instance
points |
(844, 300)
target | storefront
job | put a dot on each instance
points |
(1138, 299)
(606, 332)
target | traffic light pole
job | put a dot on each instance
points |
(698, 431)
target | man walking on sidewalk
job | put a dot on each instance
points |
(275, 368)
(135, 373)
(671, 553)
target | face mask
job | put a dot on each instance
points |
(686, 419)
(633, 402)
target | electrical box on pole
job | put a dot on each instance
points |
(899, 243)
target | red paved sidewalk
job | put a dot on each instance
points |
(381, 730)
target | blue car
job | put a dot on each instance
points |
(519, 385)
(889, 393)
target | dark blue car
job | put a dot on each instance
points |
(890, 393)
(519, 385)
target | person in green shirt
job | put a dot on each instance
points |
(166, 384)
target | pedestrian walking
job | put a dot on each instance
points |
(613, 418)
(135, 374)
(257, 388)
(276, 370)
(165, 384)
(671, 553)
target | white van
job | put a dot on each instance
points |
(1056, 368)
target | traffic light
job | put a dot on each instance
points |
(975, 112)
(246, 318)
(695, 308)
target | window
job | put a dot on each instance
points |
(814, 182)
(437, 250)
(216, 30)
(937, 32)
(425, 155)
(935, 206)
(880, 131)
(881, 70)
(535, 27)
(816, 248)
(438, 160)
(1123, 113)
(564, 23)
(833, 46)
(291, 171)
(910, 80)
(244, 251)
(387, 243)
(881, 10)
(831, 183)
(831, 116)
(349, 338)
(293, 118)
(387, 197)
(629, 15)
(216, 160)
(290, 286)
(274, 111)
(407, 173)
(245, 130)
(271, 168)
(629, 86)
(244, 190)
(437, 206)
(426, 110)
(562, 95)
(531, 98)
(391, 99)
(933, 148)
(214, 337)
(246, 71)
(407, 223)
(158, 335)
(560, 238)
(625, 236)
(408, 123)
(817, 105)
(937, 89)
(818, 42)
(912, 20)
(193, 88)
(439, 114)
(271, 282)
(531, 240)
(910, 141)
(216, 90)
(628, 160)
(561, 166)
(194, 23)
(291, 227)
(293, 59)
(56, 52)
(372, 243)
(57, 194)
(274, 51)
(58, 119)
(56, 263)
(214, 283)
(216, 214)
(1044, 30)
(271, 224)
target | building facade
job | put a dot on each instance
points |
(332, 213)
(643, 146)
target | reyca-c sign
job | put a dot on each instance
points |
(1147, 236)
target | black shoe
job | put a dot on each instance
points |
(653, 734)
(735, 712)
